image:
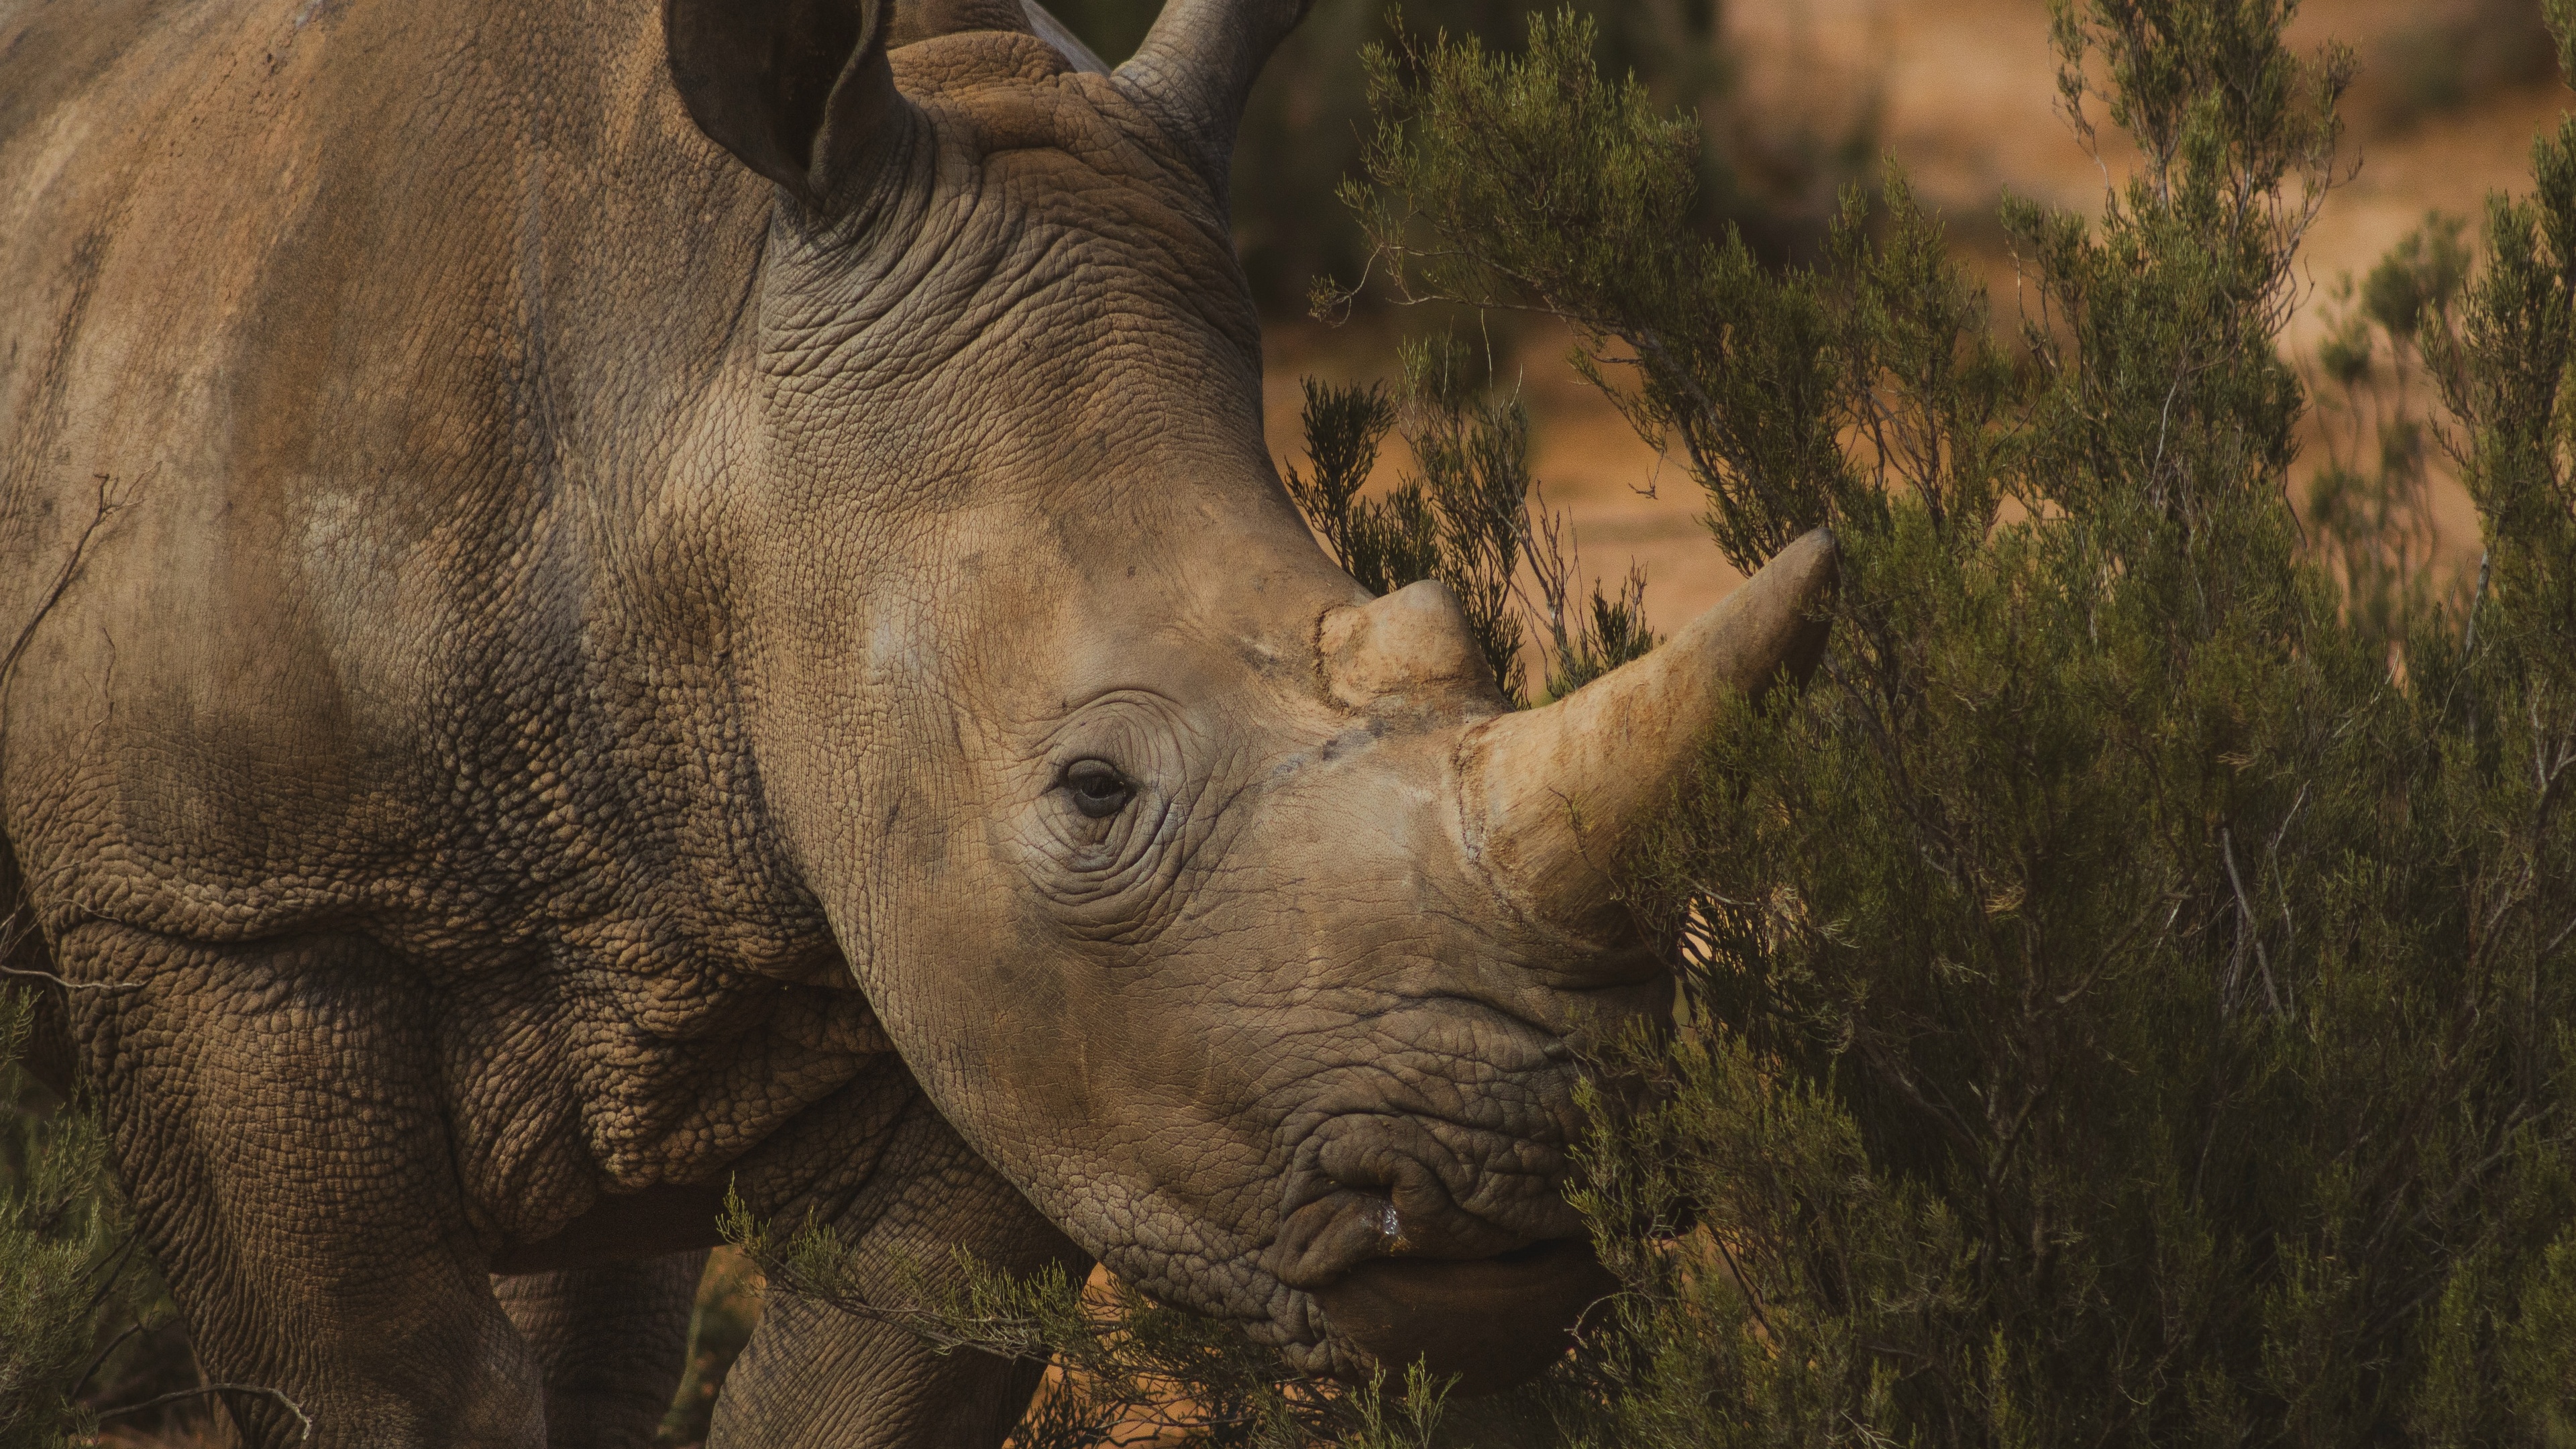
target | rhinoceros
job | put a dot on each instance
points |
(606, 600)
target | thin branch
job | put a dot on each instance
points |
(2246, 932)
(2557, 941)
(32, 974)
(106, 508)
(99, 1359)
(109, 1270)
(1744, 1282)
(303, 1423)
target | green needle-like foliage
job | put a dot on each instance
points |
(1535, 184)
(51, 1234)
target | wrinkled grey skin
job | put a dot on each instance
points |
(543, 676)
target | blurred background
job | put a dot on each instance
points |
(1799, 99)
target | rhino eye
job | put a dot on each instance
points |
(1098, 790)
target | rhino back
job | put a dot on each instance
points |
(390, 341)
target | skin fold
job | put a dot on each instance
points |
(602, 603)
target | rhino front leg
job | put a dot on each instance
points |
(275, 1119)
(611, 1342)
(814, 1377)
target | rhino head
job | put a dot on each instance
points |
(1228, 911)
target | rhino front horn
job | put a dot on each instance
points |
(1199, 62)
(1554, 796)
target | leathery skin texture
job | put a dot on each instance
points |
(565, 671)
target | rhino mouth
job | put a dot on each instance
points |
(1489, 1322)
(1412, 1235)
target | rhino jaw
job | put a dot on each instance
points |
(1490, 1323)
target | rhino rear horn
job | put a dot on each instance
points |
(787, 86)
(1199, 62)
(1413, 643)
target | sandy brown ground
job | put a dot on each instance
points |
(1964, 97)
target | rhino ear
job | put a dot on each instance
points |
(788, 86)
